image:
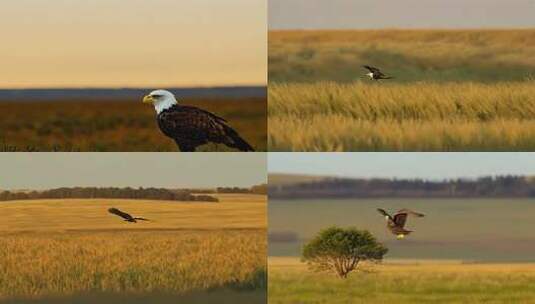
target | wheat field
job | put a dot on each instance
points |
(398, 117)
(74, 251)
(290, 281)
(233, 211)
(463, 90)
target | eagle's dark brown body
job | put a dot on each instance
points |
(191, 127)
(396, 223)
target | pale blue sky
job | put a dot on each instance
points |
(403, 165)
(347, 14)
(169, 170)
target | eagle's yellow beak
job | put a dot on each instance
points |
(400, 236)
(148, 99)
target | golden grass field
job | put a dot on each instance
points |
(115, 125)
(400, 117)
(73, 250)
(290, 281)
(453, 90)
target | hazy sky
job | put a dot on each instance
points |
(403, 165)
(343, 14)
(126, 43)
(170, 170)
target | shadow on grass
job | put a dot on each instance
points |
(222, 295)
(256, 281)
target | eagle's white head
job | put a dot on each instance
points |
(161, 99)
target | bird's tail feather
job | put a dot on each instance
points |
(236, 141)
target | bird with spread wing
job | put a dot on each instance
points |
(396, 223)
(375, 73)
(127, 217)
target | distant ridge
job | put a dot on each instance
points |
(279, 179)
(307, 187)
(126, 93)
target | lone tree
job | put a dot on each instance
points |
(341, 250)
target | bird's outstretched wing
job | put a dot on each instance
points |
(195, 125)
(141, 219)
(118, 212)
(408, 211)
(372, 69)
(384, 213)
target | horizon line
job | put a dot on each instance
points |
(134, 87)
(404, 28)
(133, 187)
(402, 178)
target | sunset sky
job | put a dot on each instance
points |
(134, 43)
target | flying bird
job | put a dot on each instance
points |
(191, 127)
(127, 217)
(396, 224)
(375, 73)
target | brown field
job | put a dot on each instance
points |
(232, 212)
(65, 251)
(115, 125)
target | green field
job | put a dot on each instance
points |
(115, 125)
(452, 90)
(66, 251)
(290, 282)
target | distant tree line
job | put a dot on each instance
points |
(121, 193)
(198, 190)
(233, 190)
(500, 186)
(257, 189)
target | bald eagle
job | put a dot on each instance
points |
(375, 73)
(396, 224)
(127, 217)
(191, 127)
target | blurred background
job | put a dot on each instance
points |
(478, 206)
(415, 40)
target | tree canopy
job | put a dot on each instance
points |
(341, 250)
